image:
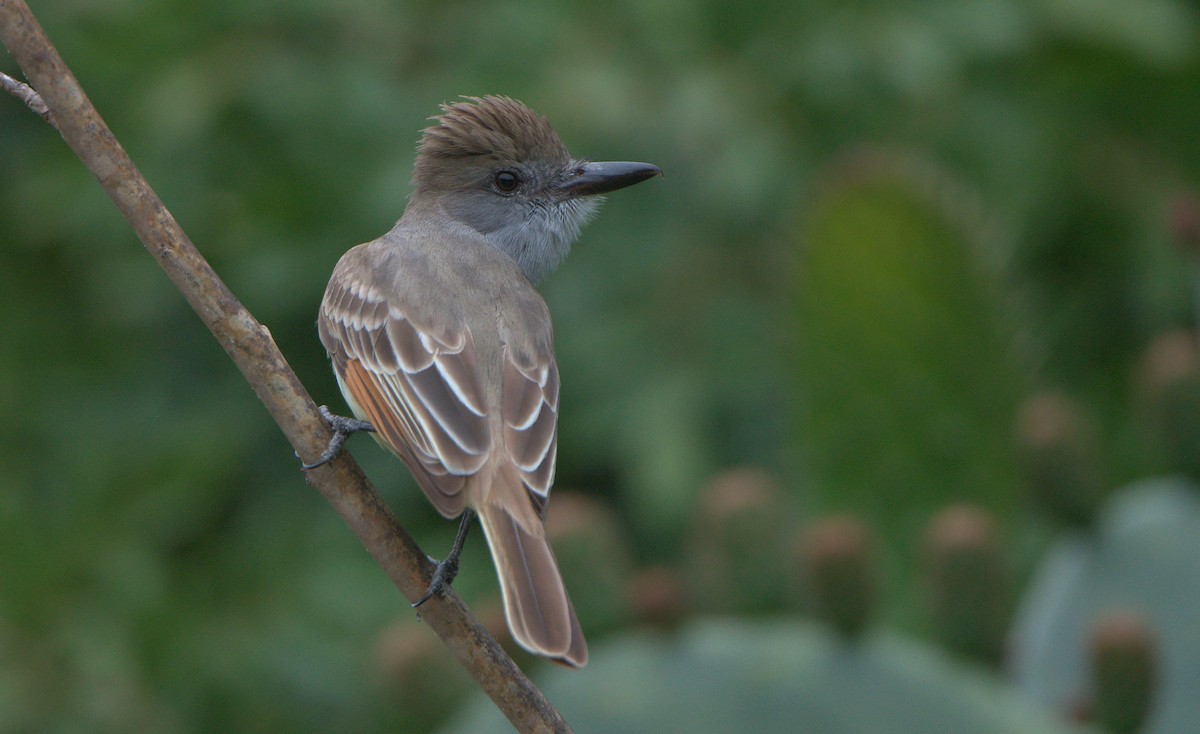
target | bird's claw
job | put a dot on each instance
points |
(342, 428)
(443, 576)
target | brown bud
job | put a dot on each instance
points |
(840, 560)
(965, 583)
(1060, 458)
(659, 597)
(1184, 221)
(413, 665)
(1124, 671)
(738, 558)
(1169, 394)
(1170, 359)
(738, 491)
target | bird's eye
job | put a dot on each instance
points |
(507, 181)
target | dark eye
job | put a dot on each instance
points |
(507, 181)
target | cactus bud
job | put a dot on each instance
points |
(659, 597)
(1169, 391)
(738, 559)
(965, 583)
(1060, 458)
(840, 559)
(1124, 669)
(412, 664)
(1184, 222)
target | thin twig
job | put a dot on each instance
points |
(252, 349)
(26, 94)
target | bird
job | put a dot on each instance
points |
(444, 349)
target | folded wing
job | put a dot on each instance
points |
(421, 391)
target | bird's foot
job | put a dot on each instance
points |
(342, 428)
(446, 570)
(443, 576)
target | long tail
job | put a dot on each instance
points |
(540, 615)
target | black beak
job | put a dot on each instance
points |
(588, 179)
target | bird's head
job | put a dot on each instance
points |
(498, 167)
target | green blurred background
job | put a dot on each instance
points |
(883, 226)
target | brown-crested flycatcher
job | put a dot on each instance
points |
(442, 345)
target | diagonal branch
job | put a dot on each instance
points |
(249, 344)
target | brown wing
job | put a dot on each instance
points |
(421, 391)
(530, 409)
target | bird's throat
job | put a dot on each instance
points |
(541, 240)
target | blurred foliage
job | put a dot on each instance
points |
(882, 223)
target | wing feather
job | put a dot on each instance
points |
(530, 408)
(421, 392)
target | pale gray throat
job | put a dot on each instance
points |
(543, 237)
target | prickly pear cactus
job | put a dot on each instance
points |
(903, 347)
(787, 676)
(1142, 558)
